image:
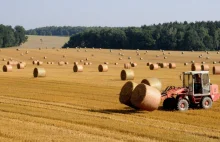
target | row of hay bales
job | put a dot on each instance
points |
(161, 65)
(145, 96)
(205, 67)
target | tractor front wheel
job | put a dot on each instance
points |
(182, 105)
(169, 104)
(206, 103)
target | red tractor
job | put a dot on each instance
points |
(196, 91)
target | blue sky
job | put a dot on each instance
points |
(39, 13)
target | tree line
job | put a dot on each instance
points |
(166, 36)
(12, 36)
(56, 31)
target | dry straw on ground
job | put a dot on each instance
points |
(146, 97)
(127, 74)
(39, 72)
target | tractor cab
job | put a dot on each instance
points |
(197, 82)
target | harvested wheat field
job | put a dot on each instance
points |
(84, 106)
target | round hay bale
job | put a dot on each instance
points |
(106, 63)
(120, 58)
(182, 52)
(18, 49)
(196, 67)
(153, 82)
(90, 63)
(51, 63)
(146, 97)
(7, 68)
(20, 66)
(126, 92)
(103, 68)
(129, 58)
(214, 62)
(133, 64)
(207, 58)
(27, 52)
(172, 65)
(149, 63)
(87, 59)
(39, 63)
(3, 59)
(78, 68)
(127, 74)
(168, 52)
(127, 65)
(75, 63)
(165, 57)
(116, 63)
(81, 61)
(157, 56)
(154, 66)
(39, 72)
(39, 48)
(22, 54)
(185, 64)
(86, 63)
(48, 62)
(45, 57)
(61, 63)
(13, 63)
(205, 67)
(163, 65)
(31, 58)
(192, 61)
(35, 62)
(202, 62)
(23, 63)
(141, 58)
(216, 70)
(138, 54)
(217, 52)
(64, 56)
(66, 63)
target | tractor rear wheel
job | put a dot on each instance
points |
(169, 104)
(182, 105)
(206, 103)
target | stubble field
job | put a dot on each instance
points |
(68, 106)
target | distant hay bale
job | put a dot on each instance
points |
(22, 54)
(154, 66)
(81, 61)
(165, 57)
(127, 65)
(153, 82)
(27, 52)
(120, 58)
(207, 58)
(66, 63)
(182, 52)
(133, 64)
(145, 97)
(90, 63)
(51, 63)
(64, 56)
(185, 64)
(129, 58)
(86, 63)
(45, 57)
(172, 65)
(203, 62)
(13, 63)
(75, 63)
(169, 53)
(163, 65)
(3, 59)
(18, 49)
(39, 72)
(35, 62)
(214, 62)
(39, 63)
(196, 67)
(216, 70)
(157, 56)
(200, 56)
(23, 63)
(146, 51)
(217, 52)
(192, 61)
(39, 48)
(149, 63)
(126, 92)
(7, 68)
(116, 63)
(48, 62)
(106, 63)
(20, 66)
(205, 67)
(141, 58)
(87, 59)
(103, 68)
(138, 54)
(78, 68)
(31, 58)
(127, 74)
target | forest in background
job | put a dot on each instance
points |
(12, 36)
(167, 36)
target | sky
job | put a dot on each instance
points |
(115, 13)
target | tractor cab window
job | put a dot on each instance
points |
(206, 84)
(197, 83)
(187, 80)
